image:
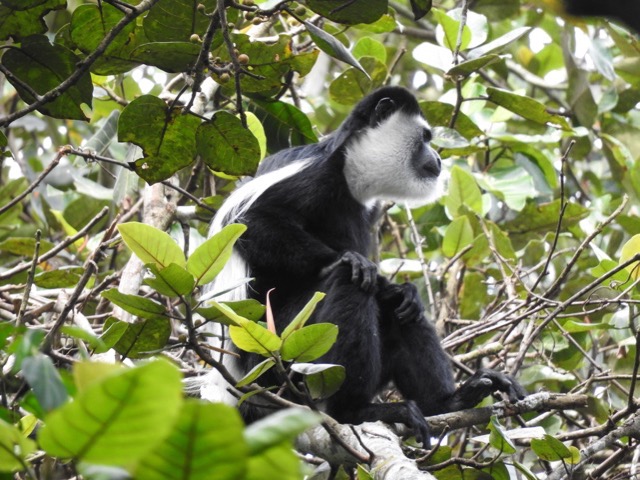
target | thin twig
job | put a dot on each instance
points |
(54, 163)
(30, 279)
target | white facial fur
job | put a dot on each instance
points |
(378, 164)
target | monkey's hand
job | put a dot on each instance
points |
(363, 271)
(401, 300)
(482, 384)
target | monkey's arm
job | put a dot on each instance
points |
(276, 241)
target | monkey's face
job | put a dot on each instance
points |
(393, 160)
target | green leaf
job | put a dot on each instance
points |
(512, 184)
(499, 43)
(90, 24)
(172, 57)
(463, 191)
(457, 236)
(256, 372)
(309, 343)
(526, 107)
(550, 449)
(352, 85)
(284, 124)
(544, 217)
(439, 114)
(249, 309)
(112, 333)
(464, 69)
(21, 19)
(279, 461)
(117, 420)
(167, 137)
(65, 277)
(252, 337)
(269, 62)
(368, 47)
(349, 13)
(622, 277)
(82, 334)
(447, 31)
(226, 146)
(43, 67)
(44, 380)
(134, 304)
(420, 8)
(171, 281)
(282, 426)
(304, 315)
(630, 249)
(177, 20)
(14, 448)
(332, 46)
(322, 380)
(210, 257)
(141, 339)
(24, 246)
(151, 245)
(498, 438)
(206, 442)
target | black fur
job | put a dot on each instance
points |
(308, 233)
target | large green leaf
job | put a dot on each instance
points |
(22, 18)
(253, 337)
(349, 13)
(282, 426)
(168, 56)
(284, 124)
(14, 448)
(256, 372)
(249, 309)
(43, 67)
(439, 114)
(463, 191)
(630, 249)
(151, 245)
(134, 304)
(457, 236)
(551, 449)
(352, 85)
(171, 281)
(177, 20)
(309, 343)
(90, 24)
(332, 46)
(322, 380)
(206, 442)
(498, 437)
(303, 315)
(513, 185)
(269, 62)
(118, 419)
(167, 137)
(140, 339)
(210, 257)
(226, 146)
(526, 107)
(45, 381)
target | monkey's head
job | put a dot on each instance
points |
(388, 154)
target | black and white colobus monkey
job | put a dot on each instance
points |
(309, 216)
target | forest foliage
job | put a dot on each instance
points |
(123, 127)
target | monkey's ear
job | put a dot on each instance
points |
(383, 110)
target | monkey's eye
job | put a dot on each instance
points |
(426, 135)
